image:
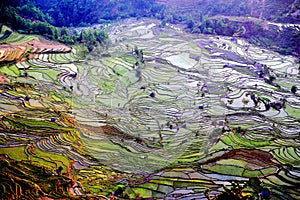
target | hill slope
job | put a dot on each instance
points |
(278, 10)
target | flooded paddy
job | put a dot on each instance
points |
(185, 112)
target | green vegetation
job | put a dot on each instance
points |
(84, 12)
(254, 30)
(176, 114)
(38, 23)
(293, 112)
(294, 89)
(31, 180)
(211, 17)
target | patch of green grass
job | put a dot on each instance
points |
(59, 159)
(206, 51)
(217, 93)
(292, 112)
(237, 140)
(4, 28)
(44, 75)
(252, 173)
(162, 181)
(268, 171)
(129, 59)
(27, 38)
(43, 162)
(120, 70)
(16, 93)
(225, 169)
(106, 86)
(266, 99)
(109, 62)
(37, 124)
(218, 146)
(150, 186)
(11, 70)
(15, 69)
(145, 193)
(16, 153)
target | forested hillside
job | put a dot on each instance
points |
(254, 20)
(274, 10)
(84, 12)
(26, 17)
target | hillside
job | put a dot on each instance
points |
(278, 10)
(160, 114)
(148, 99)
(271, 24)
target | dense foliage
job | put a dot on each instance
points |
(274, 10)
(271, 10)
(85, 12)
(283, 39)
(247, 19)
(31, 20)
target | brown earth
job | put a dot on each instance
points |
(13, 53)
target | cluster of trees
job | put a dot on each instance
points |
(286, 39)
(273, 10)
(209, 17)
(217, 7)
(86, 12)
(38, 23)
(206, 25)
(91, 38)
(43, 17)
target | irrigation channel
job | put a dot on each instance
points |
(188, 112)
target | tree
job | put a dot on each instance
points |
(209, 23)
(40, 28)
(163, 23)
(294, 89)
(64, 31)
(245, 101)
(91, 37)
(272, 79)
(196, 30)
(83, 36)
(136, 50)
(56, 33)
(101, 36)
(190, 24)
(220, 26)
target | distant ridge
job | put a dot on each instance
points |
(274, 10)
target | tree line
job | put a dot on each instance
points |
(85, 12)
(29, 19)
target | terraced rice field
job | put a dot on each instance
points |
(186, 114)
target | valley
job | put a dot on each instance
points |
(160, 113)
